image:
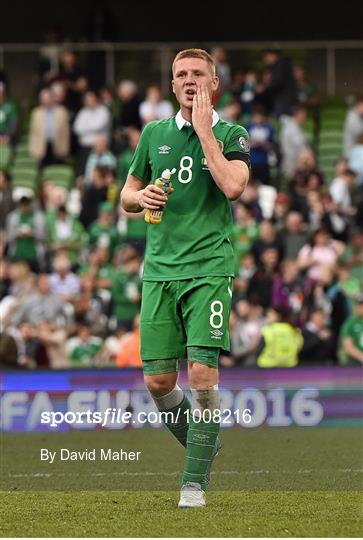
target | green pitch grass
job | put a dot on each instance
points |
(266, 482)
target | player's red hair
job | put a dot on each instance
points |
(196, 53)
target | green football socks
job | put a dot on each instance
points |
(177, 407)
(202, 435)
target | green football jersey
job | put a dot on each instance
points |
(193, 238)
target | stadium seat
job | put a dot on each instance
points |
(22, 150)
(24, 178)
(60, 175)
(24, 163)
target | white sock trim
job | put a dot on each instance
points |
(170, 400)
(205, 399)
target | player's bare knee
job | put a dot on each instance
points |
(159, 385)
(201, 376)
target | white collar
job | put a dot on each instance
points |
(181, 122)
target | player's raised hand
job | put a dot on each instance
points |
(152, 197)
(202, 111)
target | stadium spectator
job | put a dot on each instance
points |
(334, 219)
(62, 281)
(126, 287)
(17, 284)
(49, 134)
(51, 196)
(154, 107)
(353, 126)
(281, 341)
(89, 306)
(66, 233)
(107, 98)
(355, 159)
(246, 332)
(340, 190)
(231, 112)
(25, 234)
(349, 284)
(262, 144)
(250, 197)
(94, 195)
(352, 336)
(306, 167)
(129, 115)
(243, 275)
(279, 87)
(100, 270)
(259, 289)
(248, 93)
(125, 157)
(84, 350)
(292, 140)
(129, 348)
(9, 353)
(59, 93)
(318, 343)
(103, 231)
(328, 295)
(51, 340)
(306, 90)
(245, 231)
(9, 121)
(353, 256)
(321, 252)
(315, 209)
(280, 210)
(289, 289)
(74, 80)
(294, 235)
(308, 97)
(6, 198)
(223, 69)
(42, 305)
(268, 238)
(100, 155)
(92, 120)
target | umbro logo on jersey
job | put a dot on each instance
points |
(216, 334)
(164, 149)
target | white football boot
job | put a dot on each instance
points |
(192, 496)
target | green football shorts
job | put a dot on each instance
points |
(181, 315)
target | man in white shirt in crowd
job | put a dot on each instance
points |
(93, 119)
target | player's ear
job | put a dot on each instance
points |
(173, 86)
(215, 83)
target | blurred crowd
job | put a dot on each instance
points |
(71, 258)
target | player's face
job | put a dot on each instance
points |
(189, 73)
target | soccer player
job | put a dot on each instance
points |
(188, 268)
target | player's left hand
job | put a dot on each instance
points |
(202, 111)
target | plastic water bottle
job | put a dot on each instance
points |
(155, 216)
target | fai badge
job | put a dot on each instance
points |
(243, 144)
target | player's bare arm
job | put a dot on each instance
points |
(135, 197)
(230, 176)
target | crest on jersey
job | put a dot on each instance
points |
(204, 164)
(243, 144)
(165, 149)
(220, 144)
